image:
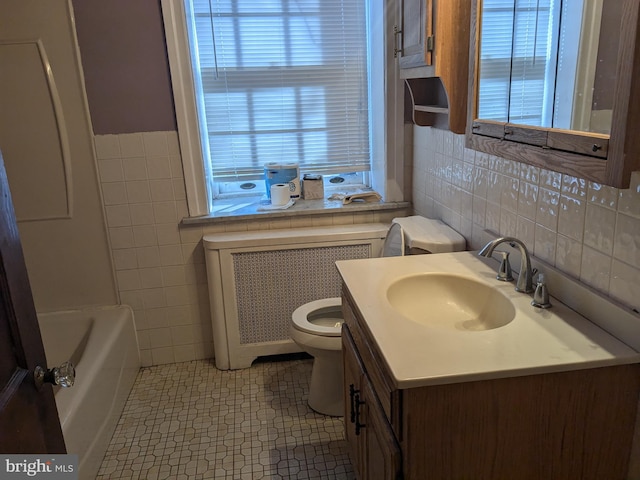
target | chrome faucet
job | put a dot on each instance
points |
(525, 276)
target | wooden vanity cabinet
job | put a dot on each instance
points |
(565, 425)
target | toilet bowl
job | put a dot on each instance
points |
(316, 326)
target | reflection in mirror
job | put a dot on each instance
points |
(548, 63)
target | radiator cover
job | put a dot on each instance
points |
(288, 279)
(257, 279)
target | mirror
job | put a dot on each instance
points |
(548, 63)
(595, 138)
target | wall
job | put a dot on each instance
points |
(159, 263)
(588, 230)
(125, 65)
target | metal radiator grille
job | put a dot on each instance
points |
(270, 285)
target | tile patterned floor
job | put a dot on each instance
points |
(193, 421)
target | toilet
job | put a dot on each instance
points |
(316, 326)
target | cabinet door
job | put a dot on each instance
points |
(375, 453)
(353, 373)
(416, 27)
(382, 457)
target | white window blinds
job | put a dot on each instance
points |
(281, 81)
(518, 60)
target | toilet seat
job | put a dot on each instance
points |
(303, 317)
(394, 242)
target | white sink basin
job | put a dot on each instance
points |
(450, 301)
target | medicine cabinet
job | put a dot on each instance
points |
(554, 83)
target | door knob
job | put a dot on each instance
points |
(64, 375)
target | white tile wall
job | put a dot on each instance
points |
(587, 230)
(160, 266)
(144, 200)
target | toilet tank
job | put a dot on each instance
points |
(257, 279)
(428, 235)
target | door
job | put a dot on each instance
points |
(375, 453)
(383, 458)
(416, 29)
(28, 416)
(353, 373)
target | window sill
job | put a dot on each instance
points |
(248, 210)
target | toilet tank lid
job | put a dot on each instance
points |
(430, 234)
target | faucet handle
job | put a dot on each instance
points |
(541, 294)
(504, 272)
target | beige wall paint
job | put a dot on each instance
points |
(68, 260)
(125, 65)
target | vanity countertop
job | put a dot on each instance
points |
(535, 341)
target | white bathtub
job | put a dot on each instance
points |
(102, 344)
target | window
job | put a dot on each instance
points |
(279, 81)
(382, 98)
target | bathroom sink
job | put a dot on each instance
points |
(449, 301)
(440, 319)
